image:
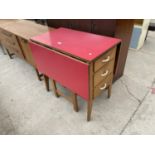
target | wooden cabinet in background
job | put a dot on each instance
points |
(104, 26)
(15, 37)
(80, 24)
(56, 23)
(10, 42)
(17, 34)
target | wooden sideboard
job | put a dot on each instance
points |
(3, 23)
(20, 32)
(15, 35)
(82, 62)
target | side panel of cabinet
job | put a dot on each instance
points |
(80, 24)
(104, 26)
(71, 73)
(56, 23)
(123, 31)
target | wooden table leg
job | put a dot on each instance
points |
(46, 82)
(38, 75)
(10, 54)
(72, 98)
(109, 90)
(90, 101)
(75, 103)
(89, 109)
(53, 82)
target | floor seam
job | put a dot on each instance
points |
(137, 99)
(137, 108)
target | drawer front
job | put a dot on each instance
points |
(103, 85)
(9, 39)
(13, 47)
(6, 35)
(108, 56)
(27, 51)
(71, 73)
(104, 72)
(10, 42)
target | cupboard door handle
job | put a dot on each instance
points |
(105, 74)
(106, 60)
(102, 88)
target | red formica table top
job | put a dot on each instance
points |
(84, 45)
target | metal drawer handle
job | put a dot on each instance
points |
(102, 88)
(105, 74)
(106, 60)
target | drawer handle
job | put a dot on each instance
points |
(102, 88)
(105, 74)
(106, 60)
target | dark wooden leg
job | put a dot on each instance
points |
(54, 87)
(38, 75)
(46, 82)
(75, 103)
(89, 109)
(10, 54)
(109, 90)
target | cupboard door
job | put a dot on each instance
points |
(104, 26)
(11, 43)
(80, 24)
(70, 72)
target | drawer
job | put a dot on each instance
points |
(12, 46)
(27, 51)
(6, 35)
(9, 39)
(104, 72)
(9, 42)
(103, 85)
(108, 56)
